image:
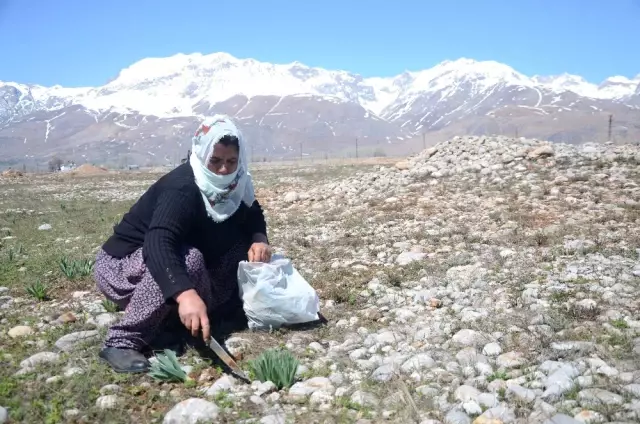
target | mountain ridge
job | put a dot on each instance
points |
(150, 109)
(157, 68)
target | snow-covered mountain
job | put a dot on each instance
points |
(150, 109)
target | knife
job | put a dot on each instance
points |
(227, 359)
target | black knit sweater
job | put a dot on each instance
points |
(170, 217)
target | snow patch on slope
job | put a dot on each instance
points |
(172, 86)
(613, 88)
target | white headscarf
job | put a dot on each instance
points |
(222, 194)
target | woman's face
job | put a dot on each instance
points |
(224, 160)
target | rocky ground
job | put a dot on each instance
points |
(485, 280)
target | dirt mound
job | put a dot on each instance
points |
(12, 173)
(87, 169)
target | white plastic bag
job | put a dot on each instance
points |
(275, 293)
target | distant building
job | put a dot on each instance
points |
(68, 167)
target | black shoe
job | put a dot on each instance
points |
(124, 360)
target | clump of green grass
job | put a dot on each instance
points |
(110, 306)
(276, 365)
(76, 268)
(498, 375)
(167, 368)
(620, 324)
(14, 252)
(38, 290)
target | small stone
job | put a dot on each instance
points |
(277, 418)
(265, 388)
(40, 359)
(562, 419)
(108, 402)
(384, 372)
(110, 389)
(224, 383)
(418, 362)
(405, 258)
(364, 398)
(20, 331)
(496, 415)
(70, 372)
(471, 408)
(467, 337)
(257, 400)
(208, 375)
(71, 413)
(317, 347)
(273, 397)
(542, 151)
(4, 415)
(70, 341)
(192, 411)
(510, 360)
(488, 400)
(457, 417)
(466, 393)
(435, 303)
(595, 397)
(237, 346)
(492, 349)
(321, 398)
(66, 318)
(106, 320)
(632, 389)
(521, 393)
(307, 387)
(291, 197)
(403, 165)
(589, 417)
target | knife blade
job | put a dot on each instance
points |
(227, 359)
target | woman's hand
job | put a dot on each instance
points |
(193, 313)
(260, 252)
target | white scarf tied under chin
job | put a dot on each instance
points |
(222, 194)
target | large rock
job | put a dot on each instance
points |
(192, 411)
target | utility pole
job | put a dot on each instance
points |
(356, 147)
(516, 132)
(610, 124)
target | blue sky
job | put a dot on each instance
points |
(86, 42)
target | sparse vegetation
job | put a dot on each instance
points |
(512, 273)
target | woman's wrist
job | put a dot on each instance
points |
(260, 238)
(185, 295)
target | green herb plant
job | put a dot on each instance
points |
(167, 368)
(276, 365)
(38, 290)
